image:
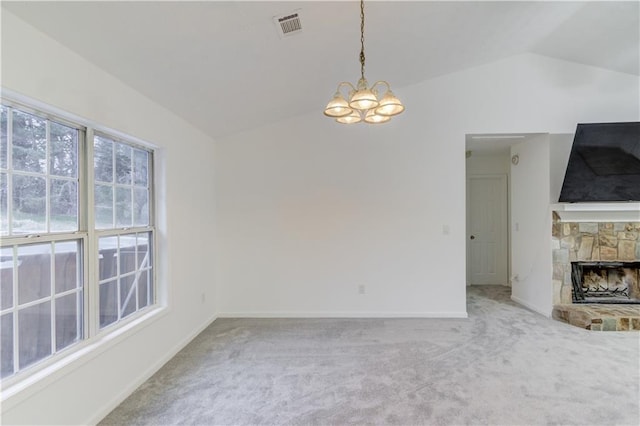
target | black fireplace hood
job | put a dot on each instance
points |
(604, 164)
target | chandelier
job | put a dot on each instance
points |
(363, 102)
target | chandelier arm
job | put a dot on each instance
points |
(351, 87)
(383, 83)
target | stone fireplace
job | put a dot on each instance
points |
(596, 274)
(593, 244)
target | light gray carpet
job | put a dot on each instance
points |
(504, 365)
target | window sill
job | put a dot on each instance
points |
(14, 392)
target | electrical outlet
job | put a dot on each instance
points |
(361, 289)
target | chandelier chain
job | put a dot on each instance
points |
(362, 38)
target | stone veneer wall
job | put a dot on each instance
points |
(585, 241)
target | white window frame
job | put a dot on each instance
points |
(92, 336)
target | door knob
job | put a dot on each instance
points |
(473, 237)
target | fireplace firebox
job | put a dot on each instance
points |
(605, 282)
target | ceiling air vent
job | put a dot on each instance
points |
(289, 24)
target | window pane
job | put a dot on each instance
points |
(123, 164)
(144, 256)
(6, 345)
(140, 207)
(123, 207)
(64, 205)
(104, 206)
(127, 295)
(140, 167)
(67, 266)
(103, 159)
(4, 196)
(34, 331)
(67, 320)
(34, 272)
(127, 253)
(6, 277)
(143, 292)
(108, 303)
(29, 142)
(63, 158)
(108, 248)
(29, 204)
(3, 137)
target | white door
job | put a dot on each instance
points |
(487, 229)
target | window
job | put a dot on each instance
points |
(122, 192)
(77, 232)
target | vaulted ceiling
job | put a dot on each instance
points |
(223, 67)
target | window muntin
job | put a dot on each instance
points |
(46, 264)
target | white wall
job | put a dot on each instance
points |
(535, 185)
(559, 150)
(308, 210)
(531, 225)
(35, 66)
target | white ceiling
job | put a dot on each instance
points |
(223, 67)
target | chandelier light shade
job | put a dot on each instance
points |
(338, 106)
(372, 117)
(389, 105)
(363, 102)
(364, 98)
(352, 118)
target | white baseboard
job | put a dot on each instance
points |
(531, 307)
(146, 375)
(333, 314)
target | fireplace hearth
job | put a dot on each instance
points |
(605, 282)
